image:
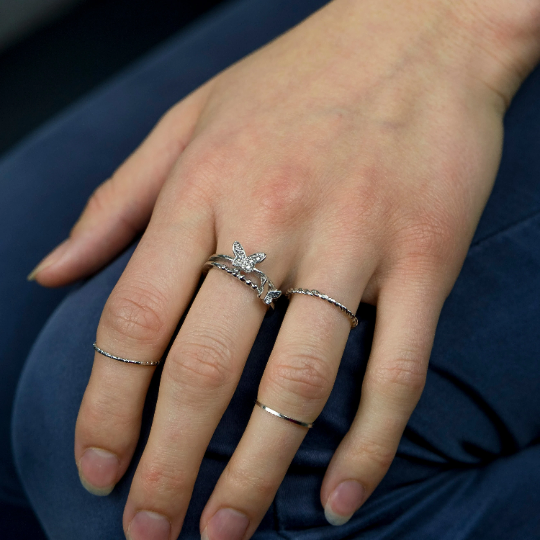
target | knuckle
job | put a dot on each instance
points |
(203, 363)
(100, 200)
(136, 313)
(376, 453)
(202, 169)
(284, 197)
(107, 201)
(158, 477)
(98, 204)
(104, 409)
(305, 374)
(428, 236)
(250, 482)
(401, 375)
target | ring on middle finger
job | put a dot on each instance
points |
(241, 266)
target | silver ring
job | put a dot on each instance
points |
(279, 415)
(127, 360)
(242, 265)
(317, 294)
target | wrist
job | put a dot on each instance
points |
(504, 38)
(490, 44)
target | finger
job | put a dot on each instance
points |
(137, 323)
(297, 383)
(201, 373)
(407, 315)
(121, 206)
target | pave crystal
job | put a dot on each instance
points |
(242, 264)
(271, 296)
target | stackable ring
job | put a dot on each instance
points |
(317, 294)
(127, 360)
(241, 266)
(279, 415)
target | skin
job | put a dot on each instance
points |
(358, 151)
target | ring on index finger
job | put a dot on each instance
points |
(126, 360)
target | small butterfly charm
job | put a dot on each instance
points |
(243, 261)
(271, 296)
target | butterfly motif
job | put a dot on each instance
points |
(271, 295)
(243, 261)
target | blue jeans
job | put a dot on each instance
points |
(468, 465)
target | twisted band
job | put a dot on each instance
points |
(127, 360)
(317, 294)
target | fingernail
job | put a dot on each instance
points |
(98, 470)
(53, 257)
(226, 524)
(344, 501)
(149, 526)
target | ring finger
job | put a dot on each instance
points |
(297, 383)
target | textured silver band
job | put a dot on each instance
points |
(241, 266)
(127, 360)
(317, 294)
(279, 415)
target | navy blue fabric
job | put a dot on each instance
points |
(468, 464)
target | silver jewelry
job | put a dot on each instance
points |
(348, 312)
(242, 265)
(279, 415)
(109, 355)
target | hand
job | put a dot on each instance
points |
(358, 151)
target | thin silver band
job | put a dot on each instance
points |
(127, 360)
(317, 294)
(279, 415)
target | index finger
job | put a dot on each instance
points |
(137, 323)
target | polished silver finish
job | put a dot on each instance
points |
(242, 265)
(127, 360)
(317, 294)
(279, 415)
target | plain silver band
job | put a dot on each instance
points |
(108, 355)
(279, 415)
(317, 294)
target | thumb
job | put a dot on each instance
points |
(121, 206)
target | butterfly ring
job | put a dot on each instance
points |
(241, 266)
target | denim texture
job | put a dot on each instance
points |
(467, 467)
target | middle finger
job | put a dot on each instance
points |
(198, 380)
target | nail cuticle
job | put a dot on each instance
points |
(102, 467)
(99, 491)
(344, 501)
(149, 524)
(226, 524)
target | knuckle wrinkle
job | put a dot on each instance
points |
(304, 375)
(205, 365)
(136, 314)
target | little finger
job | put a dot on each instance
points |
(407, 314)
